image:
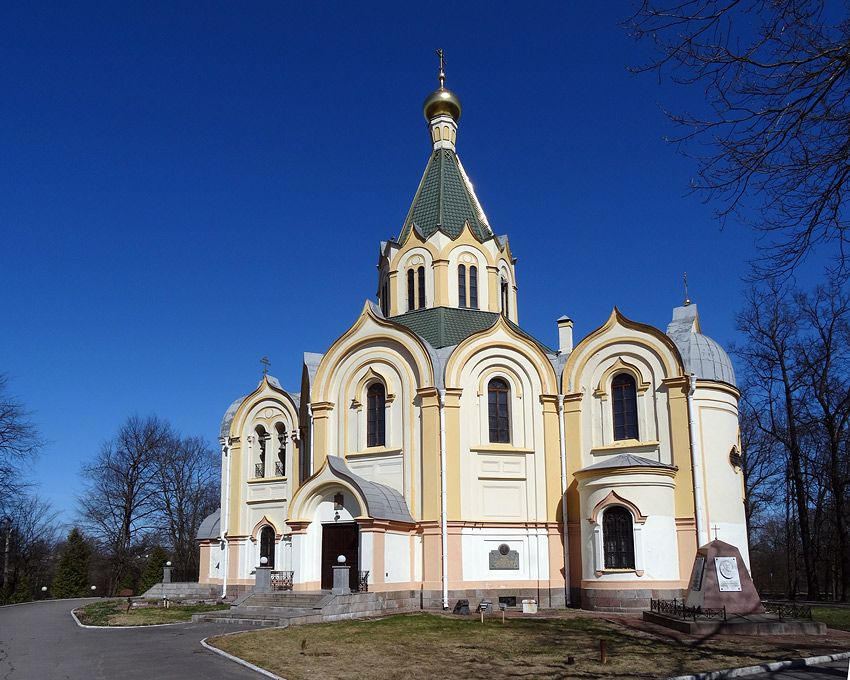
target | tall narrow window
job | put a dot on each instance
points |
(267, 546)
(280, 463)
(385, 297)
(461, 285)
(260, 459)
(618, 538)
(421, 273)
(411, 290)
(504, 292)
(624, 406)
(376, 400)
(473, 287)
(498, 395)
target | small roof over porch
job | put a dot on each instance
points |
(377, 501)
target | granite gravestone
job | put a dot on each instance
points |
(719, 578)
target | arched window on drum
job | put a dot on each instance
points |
(618, 538)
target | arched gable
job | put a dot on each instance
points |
(515, 342)
(371, 330)
(268, 395)
(622, 332)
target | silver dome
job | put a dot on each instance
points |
(702, 356)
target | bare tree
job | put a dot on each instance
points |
(19, 443)
(32, 531)
(187, 491)
(825, 363)
(769, 323)
(763, 469)
(776, 78)
(119, 502)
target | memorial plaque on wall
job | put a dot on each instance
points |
(696, 576)
(504, 558)
(728, 578)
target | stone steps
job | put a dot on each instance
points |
(275, 609)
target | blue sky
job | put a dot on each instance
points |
(171, 174)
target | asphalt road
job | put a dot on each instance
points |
(40, 641)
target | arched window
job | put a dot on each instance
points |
(498, 396)
(376, 400)
(504, 294)
(421, 273)
(624, 406)
(411, 290)
(267, 545)
(467, 286)
(618, 538)
(280, 462)
(260, 459)
(461, 285)
(385, 297)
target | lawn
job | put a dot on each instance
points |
(834, 617)
(114, 613)
(433, 645)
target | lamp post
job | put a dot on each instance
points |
(6, 523)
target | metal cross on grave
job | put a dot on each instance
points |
(266, 363)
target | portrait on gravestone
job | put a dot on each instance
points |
(728, 579)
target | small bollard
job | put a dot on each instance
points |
(603, 655)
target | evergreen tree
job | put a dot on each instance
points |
(72, 575)
(153, 569)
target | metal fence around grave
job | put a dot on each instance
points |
(679, 610)
(788, 610)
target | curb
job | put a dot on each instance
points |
(241, 662)
(769, 667)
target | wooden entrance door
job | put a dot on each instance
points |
(340, 539)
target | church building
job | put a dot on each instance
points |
(442, 449)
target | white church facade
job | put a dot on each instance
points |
(444, 450)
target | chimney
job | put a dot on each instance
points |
(565, 335)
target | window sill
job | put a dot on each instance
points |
(374, 451)
(636, 572)
(499, 448)
(260, 480)
(624, 444)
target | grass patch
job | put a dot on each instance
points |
(431, 645)
(114, 613)
(834, 617)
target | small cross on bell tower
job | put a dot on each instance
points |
(266, 363)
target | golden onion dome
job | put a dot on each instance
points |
(442, 102)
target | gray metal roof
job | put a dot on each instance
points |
(382, 502)
(628, 460)
(702, 356)
(229, 414)
(210, 527)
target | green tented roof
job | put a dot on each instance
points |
(444, 201)
(448, 326)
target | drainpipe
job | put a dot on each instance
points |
(563, 451)
(696, 466)
(310, 418)
(225, 514)
(444, 538)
